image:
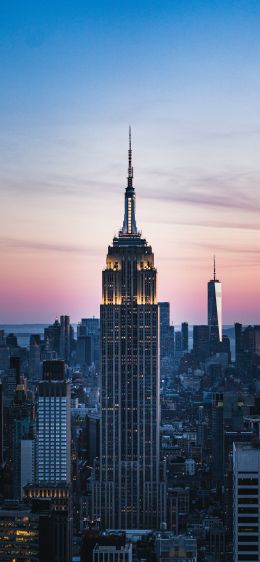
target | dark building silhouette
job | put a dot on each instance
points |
(11, 340)
(59, 337)
(201, 342)
(90, 328)
(52, 504)
(247, 347)
(19, 535)
(53, 370)
(185, 336)
(85, 350)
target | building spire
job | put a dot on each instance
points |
(130, 167)
(214, 269)
(129, 225)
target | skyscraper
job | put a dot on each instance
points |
(53, 425)
(246, 502)
(164, 308)
(214, 311)
(185, 337)
(1, 424)
(128, 492)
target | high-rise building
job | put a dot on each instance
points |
(185, 337)
(164, 308)
(52, 505)
(85, 350)
(19, 535)
(246, 502)
(53, 425)
(178, 344)
(214, 312)
(22, 428)
(65, 338)
(247, 347)
(128, 492)
(1, 424)
(201, 342)
(90, 328)
(52, 337)
(166, 341)
(35, 358)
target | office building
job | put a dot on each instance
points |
(59, 337)
(13, 379)
(128, 492)
(112, 553)
(19, 535)
(175, 548)
(185, 337)
(35, 358)
(201, 342)
(214, 312)
(246, 502)
(1, 424)
(65, 338)
(27, 465)
(178, 344)
(52, 504)
(164, 309)
(90, 328)
(85, 350)
(53, 425)
(247, 347)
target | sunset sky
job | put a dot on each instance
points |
(74, 75)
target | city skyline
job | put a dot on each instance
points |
(68, 95)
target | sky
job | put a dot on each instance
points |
(74, 75)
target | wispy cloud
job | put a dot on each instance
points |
(221, 190)
(7, 244)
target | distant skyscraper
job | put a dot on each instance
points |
(201, 342)
(65, 338)
(90, 327)
(13, 379)
(53, 425)
(35, 358)
(185, 337)
(178, 344)
(214, 312)
(164, 308)
(246, 502)
(129, 493)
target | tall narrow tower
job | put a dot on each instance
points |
(128, 492)
(214, 311)
(53, 425)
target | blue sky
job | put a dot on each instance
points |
(185, 74)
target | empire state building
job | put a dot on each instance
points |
(128, 491)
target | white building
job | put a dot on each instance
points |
(53, 425)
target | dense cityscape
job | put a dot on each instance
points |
(126, 438)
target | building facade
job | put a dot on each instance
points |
(128, 491)
(246, 502)
(53, 425)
